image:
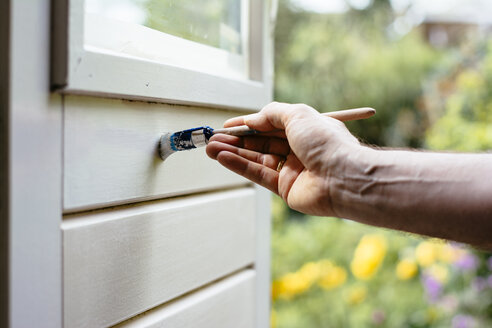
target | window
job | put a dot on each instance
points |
(211, 52)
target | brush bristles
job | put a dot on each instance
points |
(165, 148)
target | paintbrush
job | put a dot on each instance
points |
(197, 137)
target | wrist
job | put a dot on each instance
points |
(350, 182)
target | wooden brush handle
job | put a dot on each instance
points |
(341, 115)
(351, 114)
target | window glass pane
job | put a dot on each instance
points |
(215, 23)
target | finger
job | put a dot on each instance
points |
(226, 138)
(265, 145)
(278, 115)
(235, 121)
(255, 172)
(288, 175)
(266, 120)
(271, 161)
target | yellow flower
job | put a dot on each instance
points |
(310, 271)
(368, 256)
(429, 252)
(406, 269)
(275, 289)
(324, 272)
(450, 254)
(291, 284)
(333, 278)
(356, 295)
(426, 253)
(439, 272)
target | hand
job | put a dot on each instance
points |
(316, 150)
(328, 173)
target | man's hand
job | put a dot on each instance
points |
(327, 172)
(314, 149)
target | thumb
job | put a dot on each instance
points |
(278, 115)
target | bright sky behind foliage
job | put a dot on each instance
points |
(479, 11)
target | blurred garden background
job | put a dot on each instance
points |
(426, 66)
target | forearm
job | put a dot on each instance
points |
(442, 195)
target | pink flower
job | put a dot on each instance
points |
(378, 317)
(467, 262)
(433, 288)
(463, 321)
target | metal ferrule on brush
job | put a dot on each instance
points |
(184, 140)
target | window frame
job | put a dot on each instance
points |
(77, 69)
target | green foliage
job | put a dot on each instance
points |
(466, 124)
(335, 62)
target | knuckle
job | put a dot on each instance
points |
(263, 174)
(304, 108)
(260, 158)
(301, 110)
(270, 106)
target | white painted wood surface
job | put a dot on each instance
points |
(34, 166)
(262, 260)
(110, 153)
(118, 263)
(85, 71)
(228, 303)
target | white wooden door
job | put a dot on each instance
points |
(98, 230)
(141, 235)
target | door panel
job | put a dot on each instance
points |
(228, 303)
(110, 153)
(120, 262)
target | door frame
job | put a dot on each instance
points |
(33, 169)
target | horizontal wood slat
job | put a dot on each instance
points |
(110, 153)
(119, 263)
(226, 304)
